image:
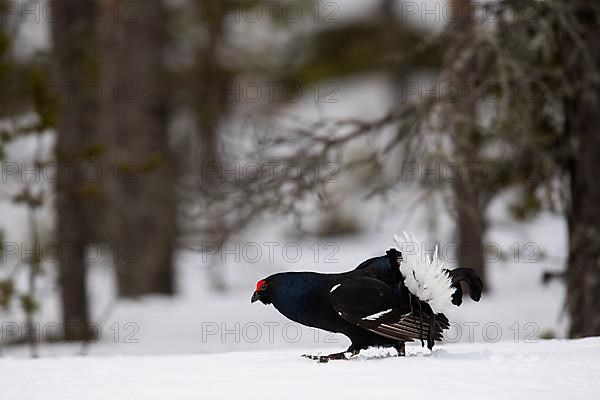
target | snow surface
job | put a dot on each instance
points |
(554, 369)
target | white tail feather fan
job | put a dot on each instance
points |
(425, 279)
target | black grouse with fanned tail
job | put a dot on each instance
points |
(371, 304)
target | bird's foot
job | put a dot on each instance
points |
(344, 355)
(401, 349)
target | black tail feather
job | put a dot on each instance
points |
(469, 276)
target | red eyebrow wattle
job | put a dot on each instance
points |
(260, 284)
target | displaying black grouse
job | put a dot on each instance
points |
(385, 302)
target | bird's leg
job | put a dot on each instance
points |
(401, 349)
(344, 355)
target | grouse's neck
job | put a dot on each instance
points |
(302, 296)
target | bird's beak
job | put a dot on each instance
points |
(254, 297)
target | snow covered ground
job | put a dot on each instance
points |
(554, 369)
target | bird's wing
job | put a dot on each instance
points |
(372, 305)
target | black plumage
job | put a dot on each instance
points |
(370, 305)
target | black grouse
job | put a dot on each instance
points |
(385, 302)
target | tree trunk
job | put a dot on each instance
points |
(72, 37)
(5, 45)
(141, 187)
(470, 227)
(470, 203)
(211, 106)
(583, 126)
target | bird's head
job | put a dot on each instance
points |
(262, 292)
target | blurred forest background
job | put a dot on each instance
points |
(140, 139)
